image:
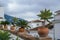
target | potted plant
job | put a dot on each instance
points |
(5, 23)
(23, 25)
(4, 35)
(1, 27)
(44, 15)
(13, 27)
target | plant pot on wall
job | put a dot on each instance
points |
(43, 32)
(1, 27)
(5, 23)
(21, 29)
(5, 27)
(44, 15)
(22, 24)
(13, 28)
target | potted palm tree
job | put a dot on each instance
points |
(5, 23)
(1, 27)
(44, 15)
(23, 25)
(13, 27)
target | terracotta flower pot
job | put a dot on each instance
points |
(12, 28)
(21, 29)
(1, 27)
(43, 32)
(5, 27)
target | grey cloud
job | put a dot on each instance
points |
(30, 6)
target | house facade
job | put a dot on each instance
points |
(57, 25)
(36, 23)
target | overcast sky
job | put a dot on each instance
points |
(28, 9)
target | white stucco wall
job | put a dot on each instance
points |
(57, 30)
(33, 25)
(57, 27)
(57, 17)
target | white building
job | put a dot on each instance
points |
(36, 23)
(57, 25)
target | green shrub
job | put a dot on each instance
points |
(4, 35)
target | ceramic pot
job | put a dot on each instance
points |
(5, 27)
(43, 31)
(21, 29)
(12, 28)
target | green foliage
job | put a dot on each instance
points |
(17, 38)
(4, 35)
(45, 14)
(4, 22)
(15, 20)
(23, 23)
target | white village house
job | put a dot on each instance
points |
(36, 23)
(57, 25)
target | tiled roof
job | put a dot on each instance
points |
(36, 21)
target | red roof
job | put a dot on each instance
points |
(37, 21)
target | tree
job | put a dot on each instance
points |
(45, 15)
(5, 23)
(15, 20)
(23, 24)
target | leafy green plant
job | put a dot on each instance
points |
(45, 15)
(4, 35)
(17, 38)
(15, 20)
(23, 24)
(4, 22)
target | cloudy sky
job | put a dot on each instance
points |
(28, 9)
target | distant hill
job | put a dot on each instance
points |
(10, 18)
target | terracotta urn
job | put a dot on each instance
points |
(12, 28)
(21, 30)
(5, 27)
(43, 31)
(1, 27)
